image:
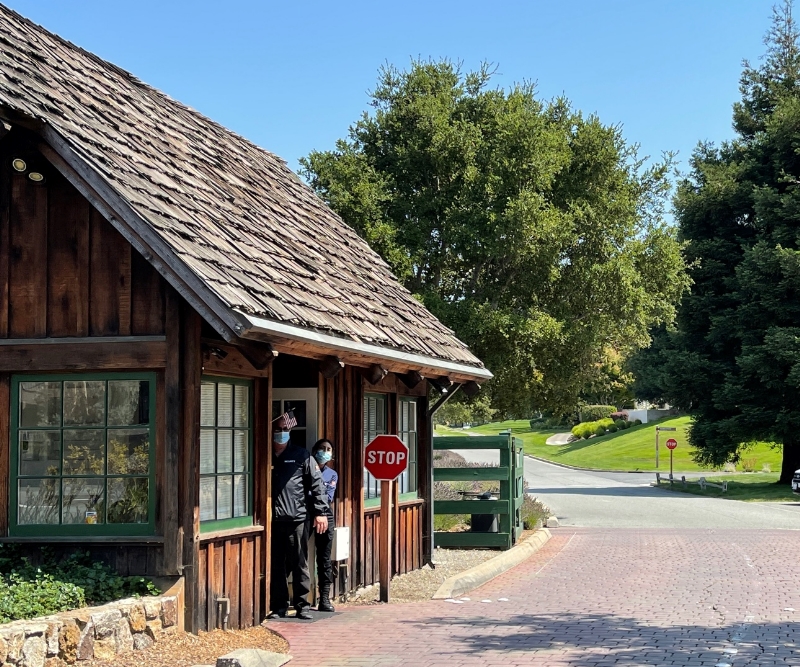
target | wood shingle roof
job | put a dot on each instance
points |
(233, 214)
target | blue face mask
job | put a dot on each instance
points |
(323, 457)
(280, 437)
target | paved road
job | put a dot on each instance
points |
(635, 576)
(591, 598)
(626, 500)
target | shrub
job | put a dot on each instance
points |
(532, 511)
(749, 464)
(637, 422)
(594, 412)
(605, 423)
(613, 428)
(599, 429)
(621, 414)
(27, 591)
(620, 424)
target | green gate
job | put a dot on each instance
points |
(507, 506)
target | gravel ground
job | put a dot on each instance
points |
(183, 649)
(422, 584)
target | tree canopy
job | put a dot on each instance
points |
(734, 358)
(533, 231)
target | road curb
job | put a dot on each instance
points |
(476, 576)
(569, 467)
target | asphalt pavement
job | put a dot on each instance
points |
(627, 500)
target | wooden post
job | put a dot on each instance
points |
(385, 563)
(657, 432)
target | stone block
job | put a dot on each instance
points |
(154, 629)
(35, 629)
(152, 608)
(86, 642)
(105, 622)
(105, 649)
(141, 640)
(123, 636)
(68, 640)
(169, 611)
(34, 652)
(136, 618)
(552, 522)
(3, 649)
(53, 662)
(14, 641)
(51, 637)
(253, 657)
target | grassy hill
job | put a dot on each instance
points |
(631, 449)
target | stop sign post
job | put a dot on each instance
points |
(672, 443)
(385, 458)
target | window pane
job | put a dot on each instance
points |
(276, 409)
(128, 451)
(224, 404)
(207, 411)
(224, 496)
(82, 501)
(85, 403)
(239, 451)
(84, 452)
(39, 404)
(206, 451)
(127, 500)
(39, 452)
(240, 495)
(241, 406)
(128, 402)
(299, 409)
(207, 498)
(39, 501)
(224, 451)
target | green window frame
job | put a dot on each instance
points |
(226, 453)
(83, 448)
(407, 431)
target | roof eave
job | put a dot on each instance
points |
(292, 339)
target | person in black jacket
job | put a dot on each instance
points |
(297, 489)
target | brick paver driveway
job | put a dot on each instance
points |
(593, 596)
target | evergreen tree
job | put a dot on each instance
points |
(733, 360)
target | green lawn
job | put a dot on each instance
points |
(750, 487)
(631, 449)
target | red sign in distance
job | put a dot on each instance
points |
(672, 443)
(385, 457)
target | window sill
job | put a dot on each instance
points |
(86, 539)
(230, 532)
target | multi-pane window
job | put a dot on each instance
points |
(407, 430)
(225, 452)
(82, 456)
(374, 424)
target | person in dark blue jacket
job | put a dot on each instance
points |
(323, 453)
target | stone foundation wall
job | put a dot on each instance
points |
(93, 632)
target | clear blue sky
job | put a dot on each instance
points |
(292, 76)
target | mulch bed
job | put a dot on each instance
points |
(184, 649)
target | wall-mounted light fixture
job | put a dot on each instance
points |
(36, 177)
(19, 164)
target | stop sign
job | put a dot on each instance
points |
(385, 457)
(672, 443)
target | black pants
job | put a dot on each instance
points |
(324, 542)
(289, 556)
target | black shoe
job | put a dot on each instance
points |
(304, 614)
(325, 605)
(278, 613)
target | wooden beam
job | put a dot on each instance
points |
(189, 480)
(173, 547)
(5, 450)
(223, 359)
(69, 355)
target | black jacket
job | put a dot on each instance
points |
(295, 480)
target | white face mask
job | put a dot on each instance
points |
(280, 437)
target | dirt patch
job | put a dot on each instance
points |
(184, 649)
(423, 583)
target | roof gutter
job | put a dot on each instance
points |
(260, 325)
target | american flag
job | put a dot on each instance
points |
(290, 419)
